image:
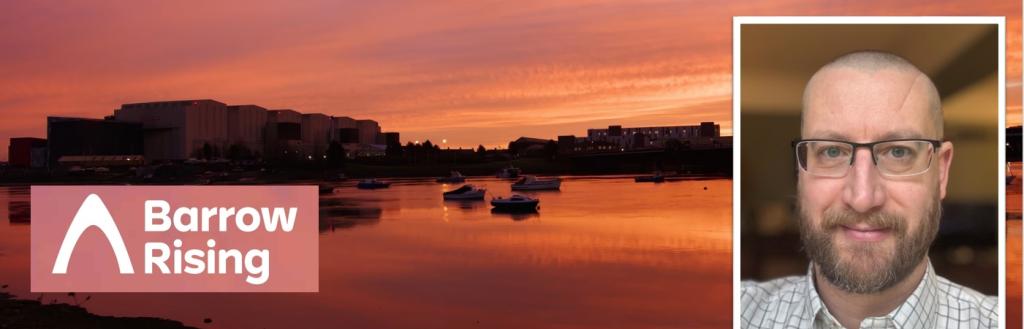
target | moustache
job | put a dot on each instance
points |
(834, 219)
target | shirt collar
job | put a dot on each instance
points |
(915, 312)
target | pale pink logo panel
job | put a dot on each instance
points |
(175, 239)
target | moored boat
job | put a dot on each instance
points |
(466, 192)
(531, 183)
(517, 202)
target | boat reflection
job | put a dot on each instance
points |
(515, 215)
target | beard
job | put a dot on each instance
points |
(862, 267)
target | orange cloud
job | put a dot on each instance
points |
(471, 72)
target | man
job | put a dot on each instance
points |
(873, 168)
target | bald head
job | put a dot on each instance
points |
(906, 87)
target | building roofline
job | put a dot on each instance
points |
(173, 101)
(62, 118)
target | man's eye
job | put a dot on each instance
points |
(833, 151)
(900, 152)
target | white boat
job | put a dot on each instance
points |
(516, 202)
(466, 192)
(531, 183)
(455, 177)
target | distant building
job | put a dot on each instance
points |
(208, 129)
(706, 134)
(566, 144)
(339, 123)
(527, 146)
(92, 137)
(109, 161)
(179, 130)
(368, 131)
(391, 138)
(348, 135)
(246, 128)
(316, 135)
(283, 134)
(364, 150)
(27, 152)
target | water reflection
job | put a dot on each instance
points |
(516, 215)
(468, 206)
(19, 210)
(609, 253)
(343, 213)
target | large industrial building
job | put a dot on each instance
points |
(198, 129)
(67, 137)
(368, 131)
(246, 126)
(179, 130)
(316, 134)
(284, 134)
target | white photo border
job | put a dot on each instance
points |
(738, 21)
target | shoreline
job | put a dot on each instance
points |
(23, 313)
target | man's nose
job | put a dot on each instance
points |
(864, 191)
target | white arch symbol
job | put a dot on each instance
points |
(93, 213)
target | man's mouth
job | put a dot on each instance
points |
(865, 233)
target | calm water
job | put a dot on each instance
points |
(604, 252)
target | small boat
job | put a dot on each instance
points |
(531, 183)
(517, 202)
(369, 184)
(657, 177)
(326, 189)
(455, 177)
(509, 172)
(466, 192)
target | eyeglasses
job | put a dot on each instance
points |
(833, 158)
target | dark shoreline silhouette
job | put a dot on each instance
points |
(21, 313)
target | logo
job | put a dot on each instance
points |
(175, 239)
(93, 214)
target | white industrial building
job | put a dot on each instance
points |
(178, 130)
(205, 128)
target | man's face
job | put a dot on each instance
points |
(864, 230)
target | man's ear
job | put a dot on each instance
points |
(945, 158)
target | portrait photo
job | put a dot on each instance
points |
(871, 163)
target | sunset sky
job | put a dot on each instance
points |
(471, 72)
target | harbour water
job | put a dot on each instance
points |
(604, 252)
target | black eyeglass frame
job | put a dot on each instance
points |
(936, 144)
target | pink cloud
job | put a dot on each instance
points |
(484, 72)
